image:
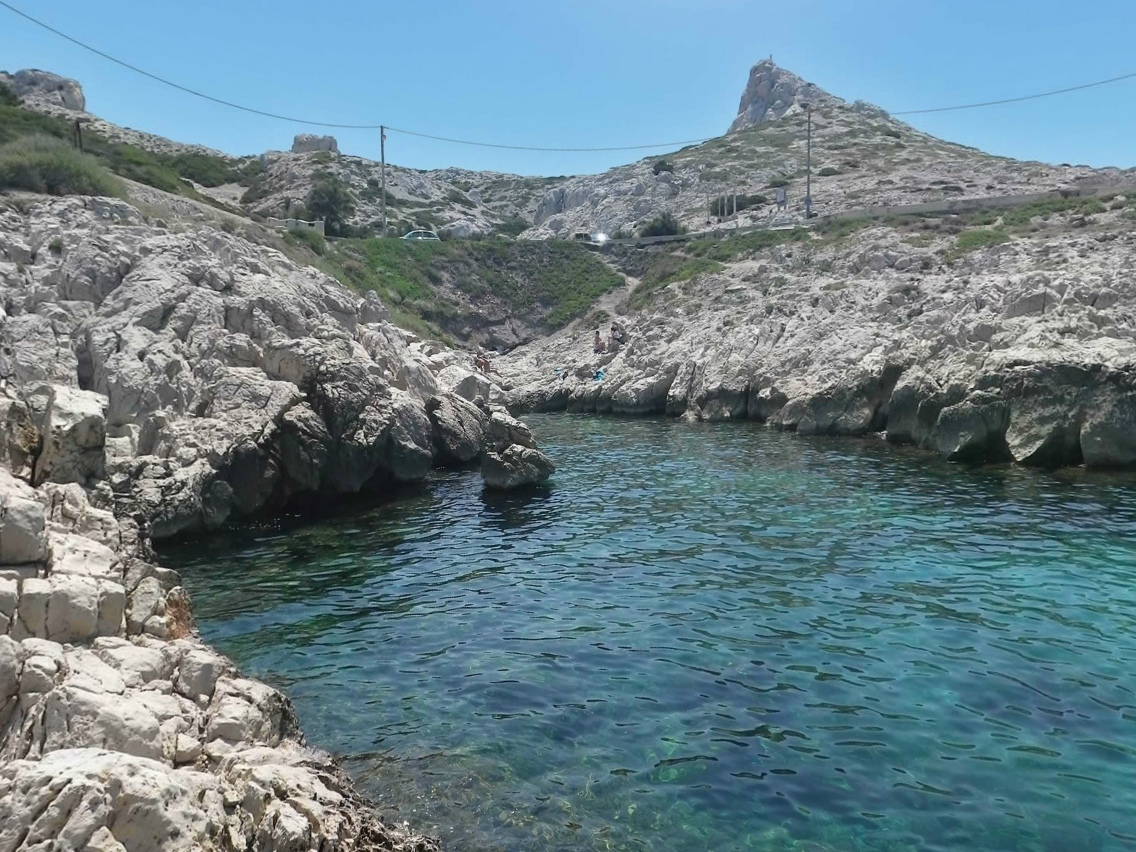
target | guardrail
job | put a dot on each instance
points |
(954, 205)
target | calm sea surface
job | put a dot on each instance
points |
(712, 638)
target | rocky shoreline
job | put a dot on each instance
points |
(156, 381)
(1024, 351)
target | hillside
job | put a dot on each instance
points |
(861, 157)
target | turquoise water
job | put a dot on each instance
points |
(712, 638)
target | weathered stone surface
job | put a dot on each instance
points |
(23, 535)
(515, 467)
(73, 426)
(45, 87)
(459, 429)
(306, 143)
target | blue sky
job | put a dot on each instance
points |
(587, 72)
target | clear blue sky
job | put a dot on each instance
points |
(587, 72)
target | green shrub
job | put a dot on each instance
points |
(56, 245)
(892, 132)
(777, 183)
(662, 166)
(977, 238)
(514, 226)
(663, 225)
(49, 165)
(306, 237)
(330, 199)
(204, 169)
(8, 97)
(828, 171)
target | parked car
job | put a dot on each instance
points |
(421, 235)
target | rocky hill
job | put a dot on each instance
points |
(861, 158)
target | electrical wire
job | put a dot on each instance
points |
(1020, 99)
(312, 123)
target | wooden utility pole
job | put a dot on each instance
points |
(383, 156)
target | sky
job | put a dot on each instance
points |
(586, 73)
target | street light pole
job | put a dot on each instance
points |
(809, 164)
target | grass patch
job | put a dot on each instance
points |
(548, 283)
(665, 268)
(45, 164)
(975, 239)
(743, 245)
(306, 237)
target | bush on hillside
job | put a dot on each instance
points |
(307, 237)
(828, 171)
(331, 200)
(48, 165)
(663, 166)
(8, 97)
(663, 225)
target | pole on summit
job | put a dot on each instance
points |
(383, 155)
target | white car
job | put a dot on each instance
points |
(421, 235)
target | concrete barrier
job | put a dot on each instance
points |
(297, 224)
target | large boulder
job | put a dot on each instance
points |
(459, 429)
(514, 467)
(23, 535)
(73, 426)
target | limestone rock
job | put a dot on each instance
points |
(770, 92)
(73, 426)
(306, 143)
(459, 429)
(22, 526)
(45, 87)
(974, 429)
(515, 467)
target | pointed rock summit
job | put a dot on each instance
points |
(771, 92)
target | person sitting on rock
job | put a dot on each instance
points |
(481, 362)
(617, 336)
(598, 345)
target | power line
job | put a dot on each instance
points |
(310, 122)
(1022, 98)
(454, 141)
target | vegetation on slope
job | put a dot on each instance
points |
(162, 171)
(546, 283)
(45, 164)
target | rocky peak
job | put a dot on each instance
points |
(43, 87)
(306, 143)
(771, 92)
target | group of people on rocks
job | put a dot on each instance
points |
(482, 363)
(617, 339)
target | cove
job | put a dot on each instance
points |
(711, 637)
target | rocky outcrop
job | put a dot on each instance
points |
(194, 378)
(1023, 352)
(512, 460)
(46, 89)
(771, 92)
(306, 143)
